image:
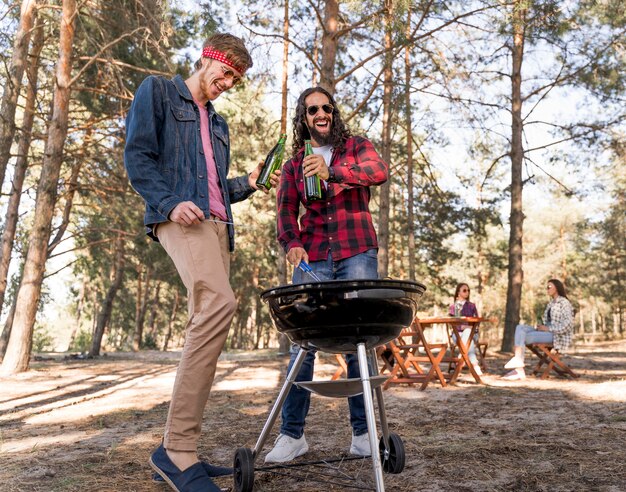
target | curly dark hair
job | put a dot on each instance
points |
(339, 132)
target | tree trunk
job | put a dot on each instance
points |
(94, 317)
(21, 163)
(6, 332)
(594, 326)
(13, 83)
(142, 307)
(253, 316)
(409, 151)
(383, 218)
(515, 271)
(20, 343)
(79, 313)
(138, 298)
(70, 192)
(283, 340)
(107, 306)
(316, 57)
(285, 76)
(581, 318)
(154, 311)
(171, 320)
(329, 45)
(234, 328)
(563, 247)
(481, 267)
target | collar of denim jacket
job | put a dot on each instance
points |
(184, 92)
(182, 88)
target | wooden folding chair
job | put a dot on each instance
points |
(406, 368)
(382, 352)
(481, 352)
(342, 369)
(385, 355)
(551, 359)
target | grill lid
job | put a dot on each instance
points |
(336, 315)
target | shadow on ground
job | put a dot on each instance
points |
(91, 425)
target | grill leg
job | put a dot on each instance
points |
(278, 404)
(384, 426)
(369, 414)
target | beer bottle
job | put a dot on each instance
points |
(272, 162)
(312, 184)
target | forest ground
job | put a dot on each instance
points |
(78, 425)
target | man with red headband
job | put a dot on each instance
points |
(177, 157)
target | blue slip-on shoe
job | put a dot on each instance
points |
(212, 471)
(193, 479)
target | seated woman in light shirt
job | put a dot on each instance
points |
(556, 328)
(464, 307)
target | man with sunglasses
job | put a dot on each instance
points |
(177, 157)
(335, 235)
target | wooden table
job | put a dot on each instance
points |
(452, 323)
(406, 366)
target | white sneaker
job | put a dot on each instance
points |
(478, 370)
(515, 375)
(286, 449)
(361, 445)
(514, 363)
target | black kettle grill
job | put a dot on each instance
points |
(340, 316)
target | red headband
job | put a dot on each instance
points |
(209, 52)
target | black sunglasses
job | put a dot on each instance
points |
(312, 110)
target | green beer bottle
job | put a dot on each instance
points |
(312, 184)
(272, 162)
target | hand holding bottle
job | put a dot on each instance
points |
(274, 178)
(315, 164)
(267, 177)
(312, 183)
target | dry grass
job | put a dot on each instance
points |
(90, 425)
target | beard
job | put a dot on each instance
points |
(321, 139)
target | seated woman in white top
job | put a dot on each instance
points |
(557, 329)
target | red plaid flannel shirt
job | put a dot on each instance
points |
(341, 222)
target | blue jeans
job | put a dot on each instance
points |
(296, 407)
(525, 334)
(471, 351)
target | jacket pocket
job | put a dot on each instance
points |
(221, 137)
(183, 114)
(184, 152)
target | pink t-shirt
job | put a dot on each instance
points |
(216, 201)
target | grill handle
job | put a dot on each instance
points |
(375, 294)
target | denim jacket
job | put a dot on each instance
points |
(164, 157)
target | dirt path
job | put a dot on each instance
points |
(77, 425)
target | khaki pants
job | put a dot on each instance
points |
(200, 253)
